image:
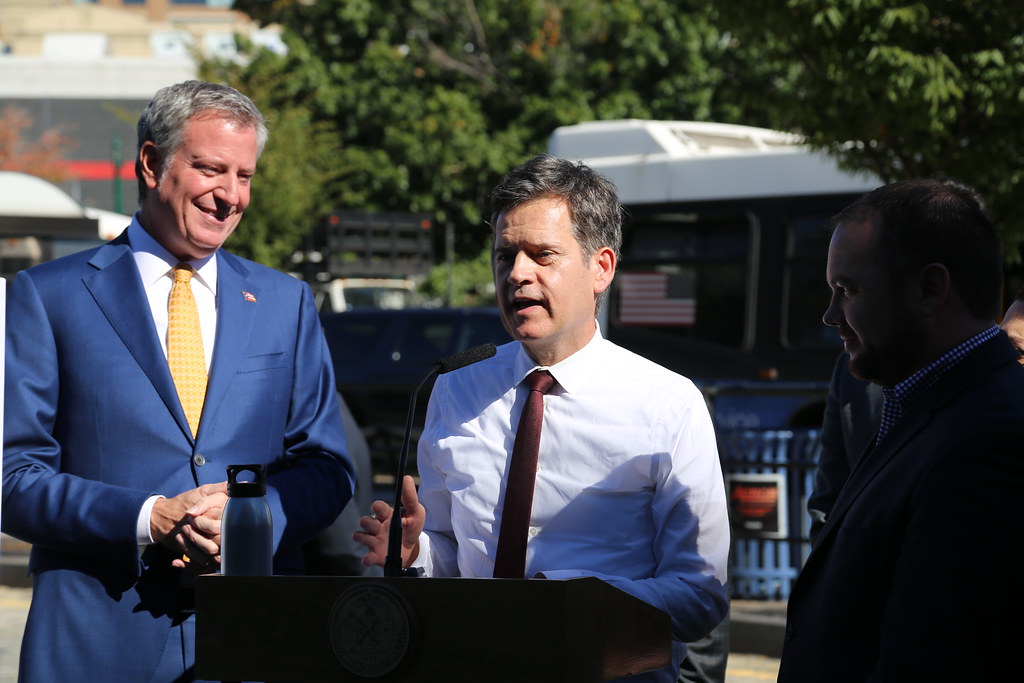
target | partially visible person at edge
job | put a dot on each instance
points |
(853, 409)
(707, 658)
(103, 473)
(918, 555)
(629, 487)
(1013, 323)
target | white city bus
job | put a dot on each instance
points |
(722, 276)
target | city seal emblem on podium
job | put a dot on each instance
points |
(370, 630)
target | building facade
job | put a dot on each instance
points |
(86, 68)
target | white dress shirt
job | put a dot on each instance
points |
(629, 486)
(156, 268)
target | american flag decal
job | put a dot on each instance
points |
(657, 299)
(247, 296)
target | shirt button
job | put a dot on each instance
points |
(199, 459)
(533, 531)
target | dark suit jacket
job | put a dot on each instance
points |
(93, 427)
(853, 411)
(914, 576)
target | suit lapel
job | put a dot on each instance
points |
(118, 291)
(237, 302)
(872, 462)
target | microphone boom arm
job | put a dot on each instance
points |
(393, 560)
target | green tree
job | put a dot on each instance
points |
(297, 161)
(901, 89)
(467, 283)
(433, 100)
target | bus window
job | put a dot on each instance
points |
(806, 292)
(687, 275)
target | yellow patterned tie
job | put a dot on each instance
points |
(185, 352)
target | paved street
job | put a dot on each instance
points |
(14, 608)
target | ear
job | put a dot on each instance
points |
(149, 161)
(602, 264)
(933, 287)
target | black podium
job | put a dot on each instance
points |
(297, 629)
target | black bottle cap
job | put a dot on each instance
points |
(247, 489)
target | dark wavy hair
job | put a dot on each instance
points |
(592, 199)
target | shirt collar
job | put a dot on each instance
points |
(919, 382)
(899, 396)
(571, 372)
(155, 262)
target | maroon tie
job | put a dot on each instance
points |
(510, 562)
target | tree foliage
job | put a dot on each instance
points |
(901, 89)
(42, 158)
(421, 105)
(468, 282)
(433, 100)
(297, 161)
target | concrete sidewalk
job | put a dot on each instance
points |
(757, 627)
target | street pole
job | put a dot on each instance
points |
(115, 153)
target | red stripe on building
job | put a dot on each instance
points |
(100, 170)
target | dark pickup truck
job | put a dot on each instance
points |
(379, 356)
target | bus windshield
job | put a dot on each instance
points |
(688, 274)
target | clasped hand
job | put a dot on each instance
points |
(189, 523)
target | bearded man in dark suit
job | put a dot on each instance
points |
(913, 571)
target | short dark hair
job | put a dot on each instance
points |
(164, 119)
(592, 199)
(936, 220)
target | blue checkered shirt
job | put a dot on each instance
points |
(900, 396)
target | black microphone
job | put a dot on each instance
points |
(393, 561)
(464, 358)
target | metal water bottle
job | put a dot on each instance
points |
(247, 533)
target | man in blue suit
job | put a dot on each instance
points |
(119, 495)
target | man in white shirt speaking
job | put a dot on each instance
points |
(628, 485)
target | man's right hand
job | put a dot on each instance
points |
(375, 529)
(171, 524)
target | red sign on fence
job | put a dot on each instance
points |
(757, 504)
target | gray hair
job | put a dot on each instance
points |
(164, 119)
(592, 199)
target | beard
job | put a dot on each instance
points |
(892, 361)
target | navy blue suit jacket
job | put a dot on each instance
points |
(913, 576)
(94, 427)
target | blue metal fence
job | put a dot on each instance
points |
(765, 568)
